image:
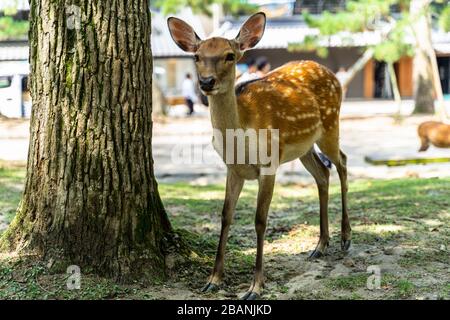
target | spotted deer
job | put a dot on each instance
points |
(301, 99)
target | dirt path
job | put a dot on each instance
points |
(399, 239)
(363, 133)
(400, 227)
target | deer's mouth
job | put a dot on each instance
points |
(209, 91)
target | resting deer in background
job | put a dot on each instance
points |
(300, 99)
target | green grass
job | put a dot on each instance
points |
(407, 213)
(405, 288)
(351, 283)
(11, 184)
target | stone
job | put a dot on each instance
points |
(348, 262)
(339, 271)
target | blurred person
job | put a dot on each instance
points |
(250, 74)
(188, 91)
(262, 66)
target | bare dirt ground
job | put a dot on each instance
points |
(400, 228)
(399, 217)
(367, 129)
(362, 134)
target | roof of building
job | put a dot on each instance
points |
(18, 4)
(280, 33)
(14, 50)
(441, 42)
(162, 43)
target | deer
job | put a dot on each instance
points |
(435, 133)
(300, 99)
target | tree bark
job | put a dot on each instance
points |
(91, 198)
(422, 71)
(357, 66)
(394, 83)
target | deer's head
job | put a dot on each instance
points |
(216, 58)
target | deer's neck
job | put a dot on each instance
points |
(224, 111)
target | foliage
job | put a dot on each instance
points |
(395, 47)
(232, 7)
(360, 16)
(310, 43)
(11, 29)
(444, 19)
(10, 8)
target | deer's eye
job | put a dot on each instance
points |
(230, 57)
(196, 58)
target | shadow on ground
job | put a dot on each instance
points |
(400, 230)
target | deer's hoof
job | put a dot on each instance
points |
(251, 296)
(316, 254)
(346, 244)
(210, 287)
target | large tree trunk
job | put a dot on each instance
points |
(422, 71)
(90, 197)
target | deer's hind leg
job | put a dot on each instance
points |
(329, 145)
(321, 175)
(424, 143)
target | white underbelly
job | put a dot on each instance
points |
(299, 149)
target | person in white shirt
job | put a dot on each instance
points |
(188, 91)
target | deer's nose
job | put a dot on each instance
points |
(207, 84)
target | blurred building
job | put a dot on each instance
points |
(15, 100)
(285, 26)
(170, 62)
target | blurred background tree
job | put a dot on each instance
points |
(10, 28)
(413, 18)
(230, 7)
(444, 19)
(392, 50)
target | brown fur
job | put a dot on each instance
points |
(301, 99)
(435, 133)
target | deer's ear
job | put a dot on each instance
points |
(183, 34)
(251, 31)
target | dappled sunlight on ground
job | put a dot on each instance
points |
(399, 226)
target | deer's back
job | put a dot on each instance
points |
(437, 133)
(297, 98)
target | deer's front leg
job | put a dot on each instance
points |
(233, 189)
(266, 184)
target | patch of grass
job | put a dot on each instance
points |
(445, 292)
(352, 282)
(402, 212)
(11, 185)
(405, 288)
(24, 280)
